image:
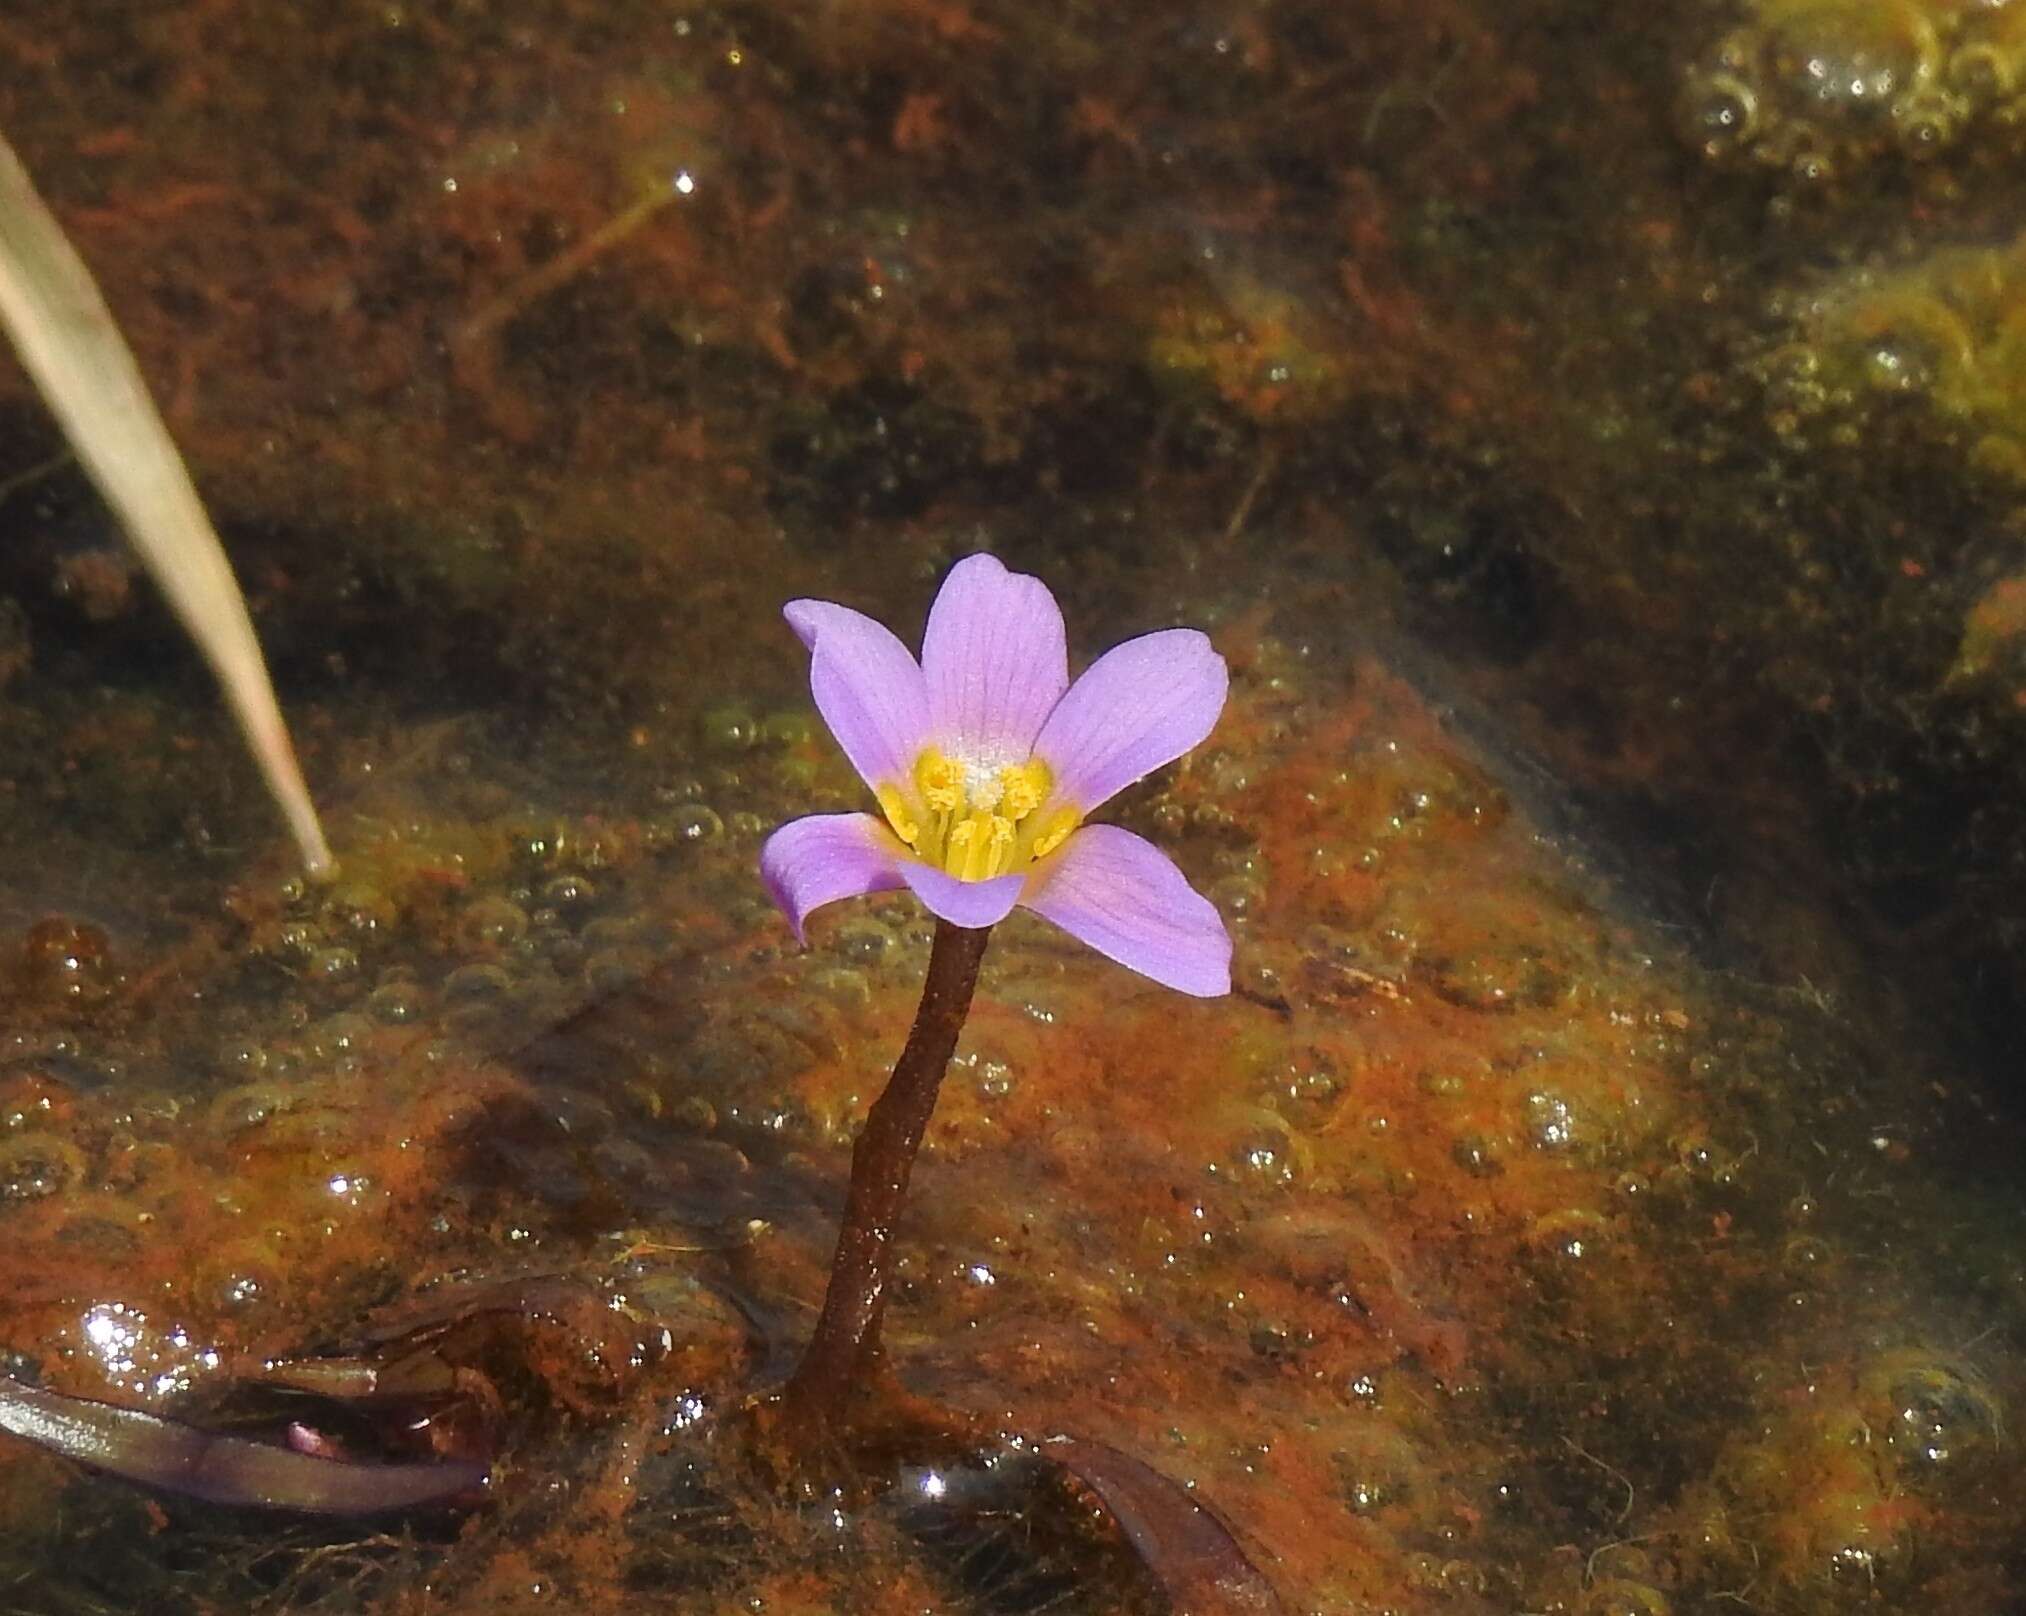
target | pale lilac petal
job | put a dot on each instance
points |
(808, 618)
(868, 688)
(1125, 898)
(1141, 704)
(995, 657)
(963, 903)
(810, 862)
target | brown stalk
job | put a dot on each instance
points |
(843, 1354)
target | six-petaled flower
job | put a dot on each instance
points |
(985, 760)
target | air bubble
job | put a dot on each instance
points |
(1895, 364)
(38, 1164)
(1941, 1413)
(1266, 1154)
(729, 729)
(538, 843)
(492, 923)
(67, 959)
(862, 940)
(242, 1057)
(249, 1105)
(1851, 58)
(695, 822)
(1927, 122)
(1551, 1125)
(396, 1003)
(1696, 1153)
(1720, 113)
(358, 910)
(331, 965)
(787, 729)
(298, 937)
(1812, 168)
(339, 1035)
(1983, 72)
(1238, 896)
(477, 983)
(568, 892)
(693, 1114)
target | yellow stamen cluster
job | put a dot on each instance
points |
(976, 822)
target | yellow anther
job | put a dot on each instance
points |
(941, 780)
(964, 849)
(895, 808)
(1022, 786)
(1054, 830)
(978, 847)
(970, 818)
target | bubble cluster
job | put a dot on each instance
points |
(1232, 336)
(1940, 333)
(68, 961)
(1814, 88)
(1376, 1470)
(1940, 1416)
(38, 1164)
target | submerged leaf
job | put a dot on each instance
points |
(224, 1469)
(1191, 1553)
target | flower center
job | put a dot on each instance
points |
(977, 816)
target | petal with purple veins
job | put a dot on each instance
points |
(1141, 704)
(1124, 897)
(995, 658)
(810, 862)
(808, 619)
(867, 686)
(971, 904)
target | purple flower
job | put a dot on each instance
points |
(985, 760)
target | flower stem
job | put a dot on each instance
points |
(844, 1351)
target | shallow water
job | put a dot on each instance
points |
(1591, 437)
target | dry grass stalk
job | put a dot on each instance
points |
(52, 308)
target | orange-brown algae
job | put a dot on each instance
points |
(1397, 1228)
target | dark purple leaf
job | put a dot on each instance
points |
(225, 1469)
(1191, 1553)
